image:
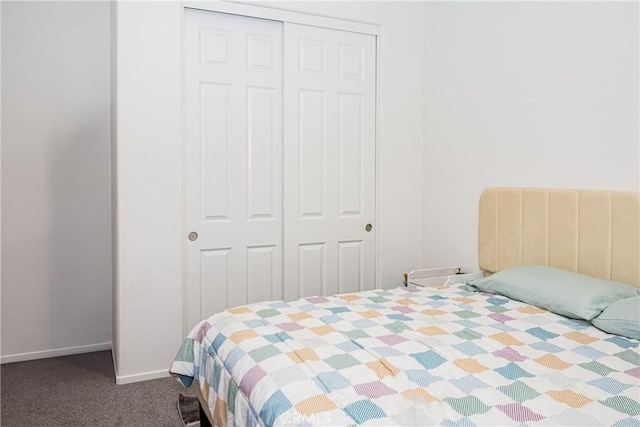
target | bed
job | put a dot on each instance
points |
(453, 355)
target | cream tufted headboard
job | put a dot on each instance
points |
(592, 232)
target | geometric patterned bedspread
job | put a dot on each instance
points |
(409, 356)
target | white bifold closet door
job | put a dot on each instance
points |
(267, 228)
(233, 161)
(329, 161)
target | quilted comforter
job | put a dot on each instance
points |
(409, 356)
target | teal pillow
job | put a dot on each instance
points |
(621, 318)
(560, 291)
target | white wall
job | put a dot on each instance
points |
(149, 277)
(532, 94)
(56, 263)
(148, 281)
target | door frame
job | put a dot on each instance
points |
(285, 16)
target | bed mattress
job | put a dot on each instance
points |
(409, 356)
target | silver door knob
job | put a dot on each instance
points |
(368, 227)
(193, 236)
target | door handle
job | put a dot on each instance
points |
(368, 227)
(193, 236)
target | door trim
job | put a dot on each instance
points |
(283, 15)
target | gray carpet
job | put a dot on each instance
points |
(80, 390)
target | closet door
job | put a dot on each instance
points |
(329, 161)
(232, 69)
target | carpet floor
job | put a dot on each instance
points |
(80, 390)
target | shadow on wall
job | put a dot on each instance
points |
(80, 236)
(56, 217)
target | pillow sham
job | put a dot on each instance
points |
(621, 318)
(560, 291)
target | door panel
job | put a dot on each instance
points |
(311, 153)
(232, 161)
(262, 265)
(215, 150)
(350, 155)
(262, 109)
(214, 270)
(350, 265)
(311, 269)
(329, 161)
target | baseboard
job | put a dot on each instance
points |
(45, 354)
(134, 378)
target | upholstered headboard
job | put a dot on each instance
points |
(592, 232)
